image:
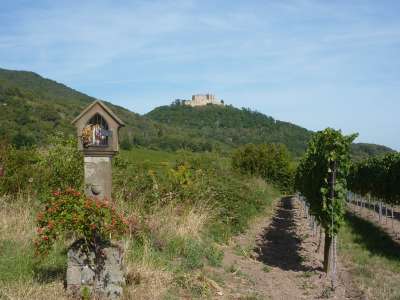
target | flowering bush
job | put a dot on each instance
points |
(69, 213)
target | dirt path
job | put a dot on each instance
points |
(276, 259)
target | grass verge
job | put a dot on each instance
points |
(373, 257)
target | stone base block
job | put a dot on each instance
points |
(97, 271)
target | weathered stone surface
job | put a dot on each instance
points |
(74, 275)
(99, 271)
(98, 177)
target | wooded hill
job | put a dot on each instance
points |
(33, 107)
(230, 127)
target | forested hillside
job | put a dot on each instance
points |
(361, 151)
(33, 107)
(232, 127)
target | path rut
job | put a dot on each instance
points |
(276, 259)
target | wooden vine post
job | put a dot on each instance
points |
(331, 237)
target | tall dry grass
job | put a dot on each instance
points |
(180, 221)
(17, 221)
(147, 277)
(33, 291)
(17, 226)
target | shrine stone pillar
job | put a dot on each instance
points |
(98, 176)
(101, 276)
(97, 128)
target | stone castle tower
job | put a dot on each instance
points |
(203, 99)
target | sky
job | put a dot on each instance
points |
(313, 63)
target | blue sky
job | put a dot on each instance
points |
(313, 63)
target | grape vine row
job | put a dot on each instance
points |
(377, 177)
(321, 178)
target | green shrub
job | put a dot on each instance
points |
(28, 169)
(192, 252)
(269, 161)
(214, 256)
(62, 164)
(126, 143)
(20, 169)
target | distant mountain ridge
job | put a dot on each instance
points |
(364, 150)
(33, 107)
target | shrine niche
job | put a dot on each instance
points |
(96, 132)
(97, 129)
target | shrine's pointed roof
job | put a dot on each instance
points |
(104, 107)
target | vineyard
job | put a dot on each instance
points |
(330, 185)
(375, 183)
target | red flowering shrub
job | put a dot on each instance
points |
(69, 213)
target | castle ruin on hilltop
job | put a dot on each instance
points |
(202, 100)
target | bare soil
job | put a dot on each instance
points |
(277, 259)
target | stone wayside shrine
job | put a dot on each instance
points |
(89, 273)
(98, 128)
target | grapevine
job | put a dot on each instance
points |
(377, 177)
(322, 179)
